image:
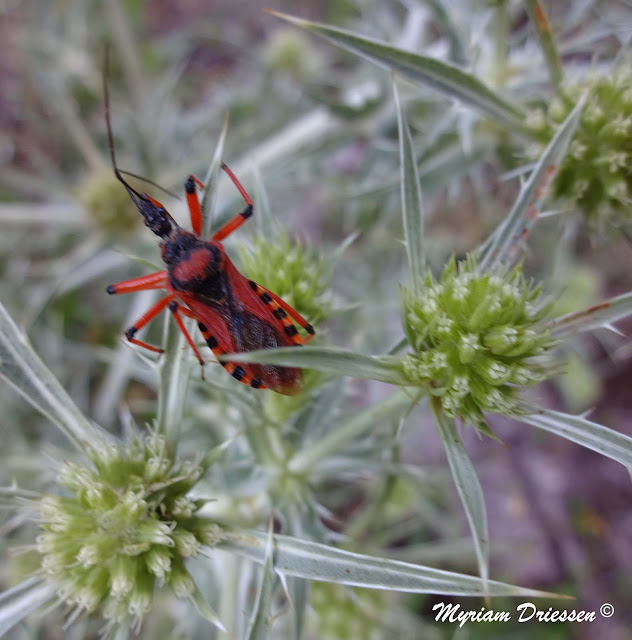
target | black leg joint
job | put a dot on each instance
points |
(110, 289)
(131, 332)
(173, 306)
(247, 212)
(290, 330)
(189, 185)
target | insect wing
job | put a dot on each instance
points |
(245, 323)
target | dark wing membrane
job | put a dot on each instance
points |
(252, 333)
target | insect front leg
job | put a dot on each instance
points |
(156, 280)
(240, 218)
(193, 202)
(146, 318)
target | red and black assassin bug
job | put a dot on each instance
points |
(233, 313)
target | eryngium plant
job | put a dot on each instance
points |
(479, 335)
(127, 526)
(277, 469)
(595, 176)
(477, 340)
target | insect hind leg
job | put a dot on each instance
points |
(145, 319)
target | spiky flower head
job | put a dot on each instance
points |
(596, 174)
(290, 52)
(478, 340)
(108, 204)
(293, 272)
(125, 526)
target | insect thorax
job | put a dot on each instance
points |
(194, 265)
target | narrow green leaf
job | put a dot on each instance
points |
(412, 209)
(315, 561)
(298, 592)
(341, 362)
(267, 225)
(591, 435)
(262, 613)
(205, 609)
(211, 181)
(17, 603)
(458, 46)
(12, 496)
(468, 486)
(529, 201)
(312, 128)
(216, 452)
(22, 368)
(599, 315)
(539, 19)
(447, 78)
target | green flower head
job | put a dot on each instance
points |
(126, 526)
(108, 204)
(596, 174)
(478, 339)
(291, 52)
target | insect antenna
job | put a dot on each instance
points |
(151, 182)
(156, 217)
(106, 99)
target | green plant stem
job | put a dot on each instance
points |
(339, 436)
(266, 444)
(175, 371)
(500, 34)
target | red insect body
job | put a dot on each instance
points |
(233, 313)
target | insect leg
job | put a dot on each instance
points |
(240, 218)
(175, 309)
(195, 211)
(281, 310)
(156, 280)
(145, 319)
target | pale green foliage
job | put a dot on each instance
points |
(107, 205)
(291, 52)
(595, 175)
(342, 613)
(478, 339)
(127, 524)
(126, 527)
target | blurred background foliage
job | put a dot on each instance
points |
(313, 132)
